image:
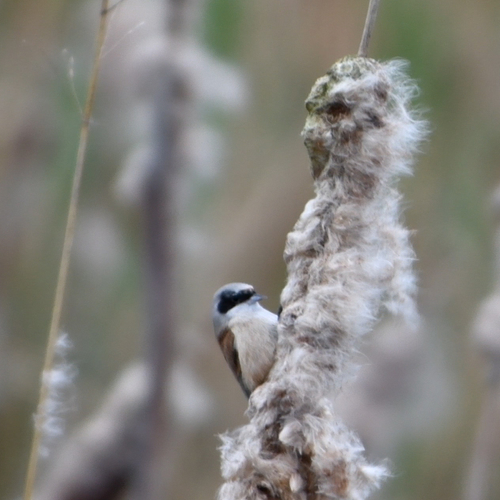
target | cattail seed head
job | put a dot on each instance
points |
(348, 257)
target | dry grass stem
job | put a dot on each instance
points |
(371, 17)
(65, 257)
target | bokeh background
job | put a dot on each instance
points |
(420, 397)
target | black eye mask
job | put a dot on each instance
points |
(230, 299)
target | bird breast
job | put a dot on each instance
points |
(255, 341)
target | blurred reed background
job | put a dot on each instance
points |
(419, 397)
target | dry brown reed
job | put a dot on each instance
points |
(42, 409)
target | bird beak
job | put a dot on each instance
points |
(258, 298)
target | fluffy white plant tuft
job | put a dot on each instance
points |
(348, 257)
(50, 419)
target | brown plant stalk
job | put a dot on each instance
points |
(159, 204)
(371, 17)
(41, 414)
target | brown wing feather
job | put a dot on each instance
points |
(226, 342)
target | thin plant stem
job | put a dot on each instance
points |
(65, 257)
(371, 17)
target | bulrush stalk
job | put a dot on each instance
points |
(348, 258)
(54, 330)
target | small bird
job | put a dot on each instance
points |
(246, 332)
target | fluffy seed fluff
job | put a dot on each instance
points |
(348, 257)
(50, 416)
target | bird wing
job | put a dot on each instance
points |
(228, 348)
